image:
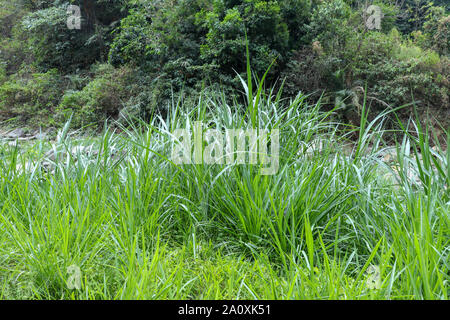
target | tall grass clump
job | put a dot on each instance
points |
(336, 221)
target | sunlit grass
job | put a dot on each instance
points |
(140, 227)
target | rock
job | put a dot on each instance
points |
(38, 135)
(388, 155)
(41, 135)
(16, 133)
(411, 175)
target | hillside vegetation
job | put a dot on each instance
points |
(134, 56)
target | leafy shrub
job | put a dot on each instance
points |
(30, 98)
(440, 37)
(13, 49)
(3, 76)
(187, 41)
(396, 70)
(100, 99)
(52, 43)
(306, 72)
(225, 40)
(56, 46)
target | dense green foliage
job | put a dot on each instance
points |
(181, 46)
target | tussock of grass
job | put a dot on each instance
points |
(139, 226)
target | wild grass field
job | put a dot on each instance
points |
(341, 219)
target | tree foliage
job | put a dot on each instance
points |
(176, 48)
